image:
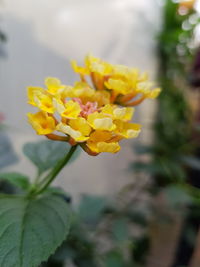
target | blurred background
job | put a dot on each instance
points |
(140, 207)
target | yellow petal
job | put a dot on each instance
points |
(54, 85)
(118, 113)
(108, 109)
(121, 70)
(154, 93)
(100, 136)
(96, 65)
(103, 124)
(118, 86)
(143, 77)
(69, 110)
(78, 69)
(100, 121)
(123, 113)
(104, 147)
(42, 122)
(72, 110)
(127, 130)
(81, 125)
(83, 91)
(59, 105)
(76, 135)
(40, 98)
(31, 91)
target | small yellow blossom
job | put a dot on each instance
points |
(82, 125)
(116, 112)
(54, 85)
(103, 141)
(119, 86)
(100, 147)
(42, 122)
(69, 110)
(40, 98)
(32, 91)
(127, 130)
(75, 134)
(100, 121)
(78, 69)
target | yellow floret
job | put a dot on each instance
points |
(40, 98)
(104, 147)
(118, 113)
(81, 125)
(99, 121)
(127, 130)
(76, 135)
(54, 85)
(42, 122)
(69, 110)
(78, 69)
(103, 141)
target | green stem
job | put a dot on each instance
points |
(54, 172)
(37, 179)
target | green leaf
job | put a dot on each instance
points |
(16, 179)
(120, 230)
(58, 191)
(45, 154)
(31, 229)
(177, 196)
(91, 208)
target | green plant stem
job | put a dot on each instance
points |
(37, 179)
(54, 172)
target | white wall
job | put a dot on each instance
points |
(43, 35)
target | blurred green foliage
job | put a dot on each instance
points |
(172, 151)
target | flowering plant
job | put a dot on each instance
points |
(98, 117)
(95, 115)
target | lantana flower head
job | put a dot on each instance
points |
(126, 86)
(96, 117)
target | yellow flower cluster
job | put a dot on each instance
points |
(127, 87)
(95, 118)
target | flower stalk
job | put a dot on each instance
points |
(42, 186)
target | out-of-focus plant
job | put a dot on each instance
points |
(172, 154)
(173, 149)
(94, 115)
